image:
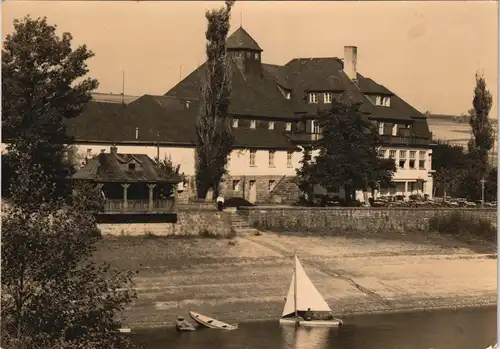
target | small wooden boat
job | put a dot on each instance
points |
(183, 325)
(211, 323)
(302, 297)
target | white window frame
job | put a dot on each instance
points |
(327, 97)
(380, 128)
(253, 155)
(315, 127)
(289, 159)
(386, 101)
(253, 124)
(378, 100)
(257, 55)
(395, 129)
(272, 155)
(288, 126)
(392, 154)
(270, 125)
(235, 123)
(313, 98)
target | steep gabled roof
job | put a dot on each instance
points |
(241, 40)
(108, 167)
(251, 94)
(163, 119)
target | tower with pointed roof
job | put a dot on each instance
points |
(245, 51)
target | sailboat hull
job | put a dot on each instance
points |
(311, 323)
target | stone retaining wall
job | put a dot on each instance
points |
(347, 218)
(190, 223)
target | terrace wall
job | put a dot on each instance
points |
(331, 219)
(188, 223)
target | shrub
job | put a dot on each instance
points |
(463, 225)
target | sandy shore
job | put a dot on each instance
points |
(247, 279)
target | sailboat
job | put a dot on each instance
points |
(303, 295)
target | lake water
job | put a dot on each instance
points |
(444, 329)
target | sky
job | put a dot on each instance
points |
(426, 52)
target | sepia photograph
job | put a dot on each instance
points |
(249, 174)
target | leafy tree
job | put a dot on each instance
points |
(451, 165)
(52, 292)
(348, 153)
(214, 138)
(480, 122)
(42, 85)
(491, 185)
(174, 171)
(306, 178)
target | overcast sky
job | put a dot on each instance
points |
(426, 52)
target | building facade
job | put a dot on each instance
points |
(272, 113)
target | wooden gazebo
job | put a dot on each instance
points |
(130, 183)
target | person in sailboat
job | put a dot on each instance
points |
(308, 316)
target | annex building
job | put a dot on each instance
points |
(272, 111)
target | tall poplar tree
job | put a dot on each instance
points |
(214, 137)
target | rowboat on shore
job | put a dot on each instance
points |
(303, 297)
(211, 323)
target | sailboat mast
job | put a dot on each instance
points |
(295, 285)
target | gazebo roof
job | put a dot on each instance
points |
(114, 167)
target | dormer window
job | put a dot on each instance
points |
(271, 125)
(235, 123)
(383, 101)
(328, 96)
(313, 98)
(288, 126)
(257, 55)
(131, 166)
(380, 128)
(253, 123)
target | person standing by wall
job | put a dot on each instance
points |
(220, 202)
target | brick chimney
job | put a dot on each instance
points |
(350, 61)
(113, 149)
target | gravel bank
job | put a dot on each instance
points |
(247, 278)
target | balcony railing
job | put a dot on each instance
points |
(306, 137)
(401, 140)
(120, 205)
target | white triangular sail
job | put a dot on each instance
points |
(307, 295)
(290, 299)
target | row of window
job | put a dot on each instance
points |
(328, 97)
(270, 124)
(272, 155)
(314, 97)
(402, 159)
(255, 55)
(393, 129)
(237, 185)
